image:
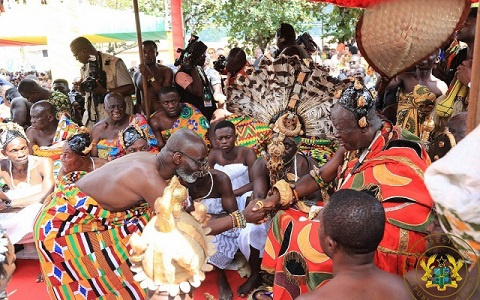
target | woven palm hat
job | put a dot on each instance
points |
(396, 35)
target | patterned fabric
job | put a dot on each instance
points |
(414, 107)
(65, 128)
(226, 243)
(395, 177)
(191, 118)
(251, 133)
(393, 173)
(293, 253)
(319, 149)
(84, 248)
(112, 149)
(62, 104)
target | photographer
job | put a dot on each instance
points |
(191, 81)
(101, 74)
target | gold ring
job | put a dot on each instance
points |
(259, 204)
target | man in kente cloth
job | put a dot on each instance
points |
(82, 234)
(382, 159)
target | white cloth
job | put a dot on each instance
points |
(19, 225)
(255, 236)
(454, 184)
(238, 174)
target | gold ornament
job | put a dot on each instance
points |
(362, 122)
(177, 265)
(285, 191)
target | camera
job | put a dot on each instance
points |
(95, 74)
(192, 54)
(220, 64)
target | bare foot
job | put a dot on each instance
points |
(224, 289)
(254, 281)
(40, 278)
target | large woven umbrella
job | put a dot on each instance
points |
(402, 46)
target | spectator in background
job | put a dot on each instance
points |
(61, 85)
(19, 107)
(118, 79)
(157, 76)
(258, 57)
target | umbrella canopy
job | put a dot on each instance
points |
(98, 24)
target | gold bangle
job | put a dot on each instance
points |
(285, 191)
(295, 194)
(315, 173)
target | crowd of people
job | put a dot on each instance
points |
(314, 172)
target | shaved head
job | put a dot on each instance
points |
(44, 106)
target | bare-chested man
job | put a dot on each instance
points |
(343, 238)
(174, 115)
(46, 130)
(106, 132)
(107, 214)
(235, 161)
(157, 76)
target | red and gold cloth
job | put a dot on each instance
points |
(293, 254)
(393, 172)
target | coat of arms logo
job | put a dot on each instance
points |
(441, 273)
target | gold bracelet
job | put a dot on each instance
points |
(295, 194)
(233, 221)
(315, 173)
(285, 191)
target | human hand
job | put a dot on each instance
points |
(254, 215)
(100, 89)
(145, 71)
(464, 72)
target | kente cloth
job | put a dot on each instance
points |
(393, 172)
(190, 118)
(454, 183)
(293, 253)
(62, 104)
(251, 133)
(226, 242)
(66, 127)
(84, 248)
(109, 149)
(321, 150)
(143, 124)
(238, 174)
(414, 107)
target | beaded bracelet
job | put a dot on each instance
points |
(233, 221)
(241, 222)
(315, 173)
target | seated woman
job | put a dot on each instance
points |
(28, 181)
(134, 139)
(76, 155)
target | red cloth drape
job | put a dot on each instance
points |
(358, 3)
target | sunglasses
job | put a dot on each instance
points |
(202, 163)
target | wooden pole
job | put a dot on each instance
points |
(473, 106)
(142, 61)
